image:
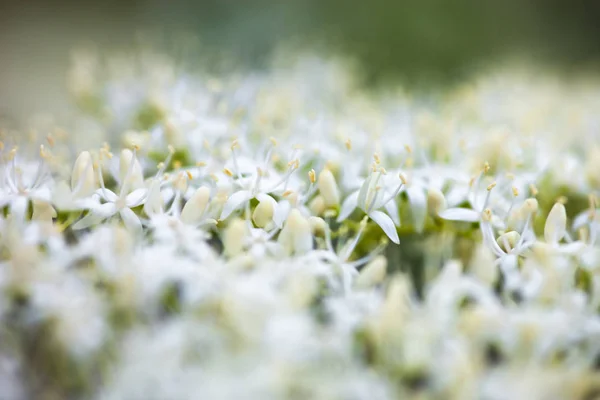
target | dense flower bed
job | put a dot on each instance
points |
(285, 235)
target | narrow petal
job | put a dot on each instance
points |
(136, 198)
(460, 214)
(62, 198)
(456, 195)
(96, 216)
(107, 195)
(281, 212)
(154, 202)
(349, 205)
(234, 202)
(131, 221)
(364, 191)
(582, 219)
(18, 208)
(572, 248)
(418, 206)
(386, 223)
(392, 209)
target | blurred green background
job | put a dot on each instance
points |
(430, 42)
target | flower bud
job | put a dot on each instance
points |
(196, 206)
(318, 226)
(296, 235)
(301, 289)
(507, 241)
(531, 205)
(42, 211)
(397, 300)
(83, 182)
(328, 188)
(128, 173)
(263, 213)
(317, 205)
(436, 202)
(234, 237)
(482, 265)
(556, 224)
(372, 274)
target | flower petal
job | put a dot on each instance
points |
(582, 219)
(18, 208)
(136, 198)
(364, 191)
(556, 224)
(392, 209)
(96, 216)
(349, 205)
(234, 202)
(131, 220)
(418, 206)
(386, 223)
(107, 195)
(460, 214)
(281, 212)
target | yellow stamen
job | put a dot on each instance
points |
(403, 178)
(562, 200)
(312, 176)
(533, 189)
(376, 158)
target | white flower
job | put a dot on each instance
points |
(22, 182)
(79, 195)
(252, 187)
(120, 204)
(369, 198)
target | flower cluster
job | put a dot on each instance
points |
(284, 235)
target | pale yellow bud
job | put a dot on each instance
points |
(372, 274)
(296, 235)
(482, 265)
(301, 289)
(317, 205)
(196, 206)
(328, 188)
(507, 241)
(556, 224)
(233, 238)
(318, 226)
(436, 201)
(531, 205)
(263, 213)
